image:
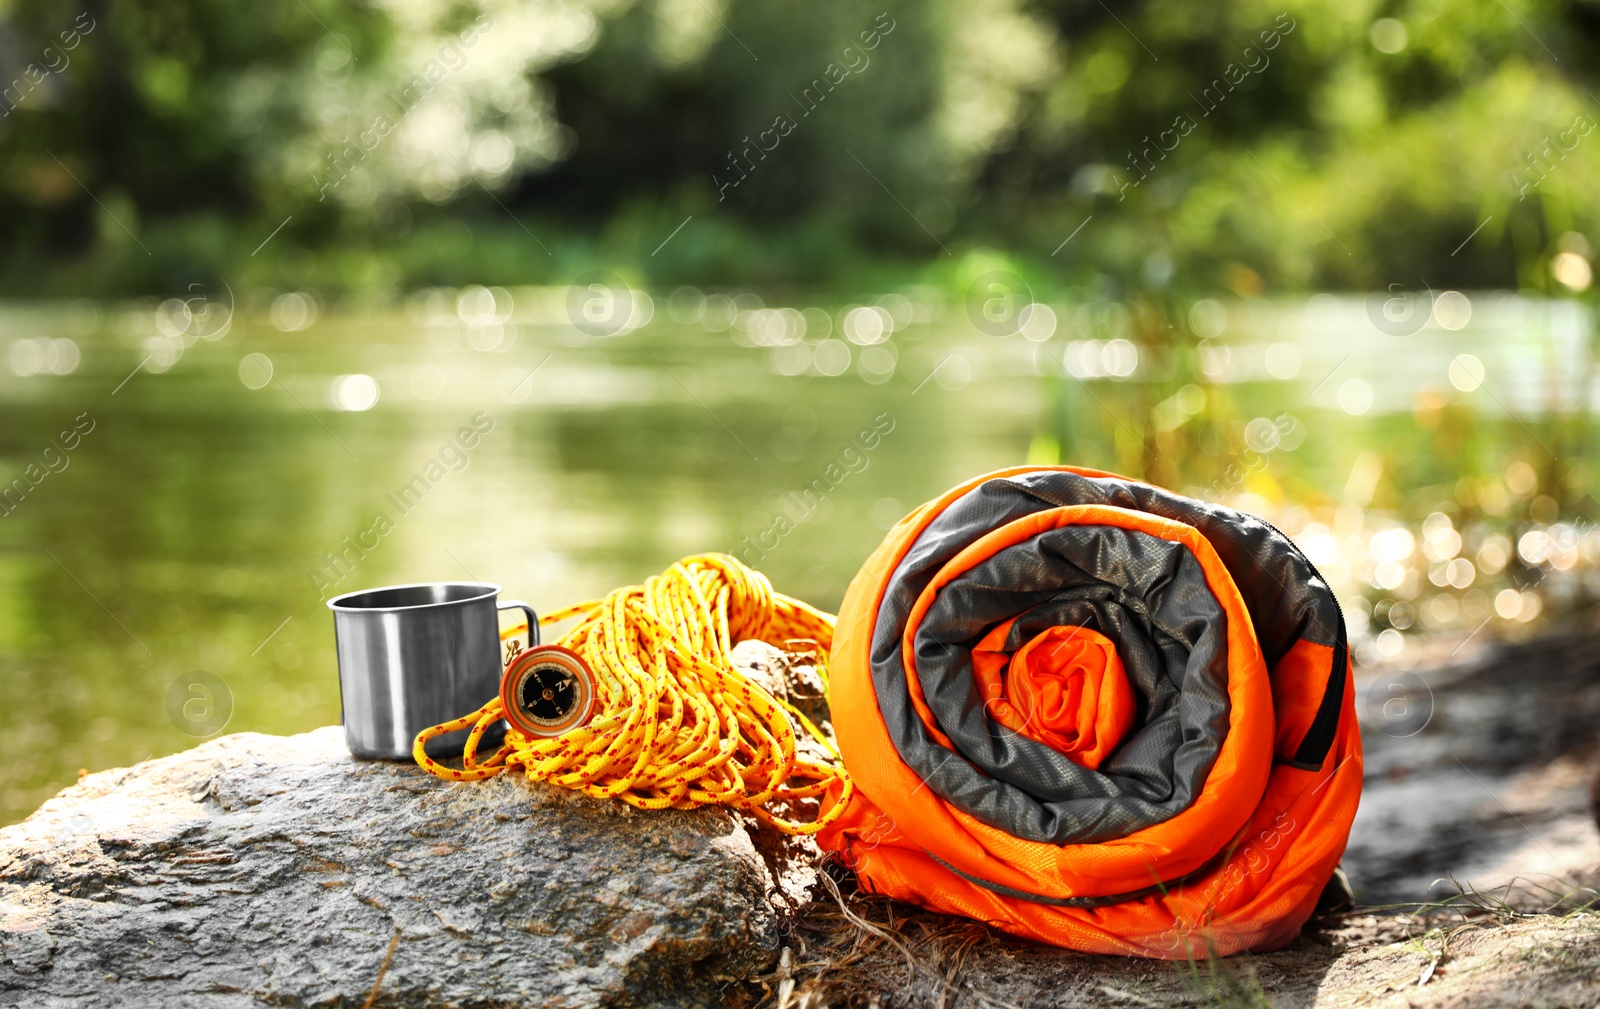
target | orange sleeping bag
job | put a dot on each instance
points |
(1097, 714)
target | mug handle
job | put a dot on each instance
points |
(533, 618)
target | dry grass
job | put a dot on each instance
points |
(849, 949)
(864, 950)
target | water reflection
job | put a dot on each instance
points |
(207, 472)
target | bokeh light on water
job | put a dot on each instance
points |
(236, 459)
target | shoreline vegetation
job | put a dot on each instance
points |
(458, 247)
(360, 150)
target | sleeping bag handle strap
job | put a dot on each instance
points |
(1318, 739)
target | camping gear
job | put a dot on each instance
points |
(547, 691)
(674, 723)
(411, 655)
(1097, 714)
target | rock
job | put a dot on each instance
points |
(792, 676)
(271, 869)
(1468, 955)
(1477, 775)
(259, 870)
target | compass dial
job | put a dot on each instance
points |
(547, 691)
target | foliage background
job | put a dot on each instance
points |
(1371, 141)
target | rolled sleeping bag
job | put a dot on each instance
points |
(1097, 714)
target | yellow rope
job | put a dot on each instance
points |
(675, 723)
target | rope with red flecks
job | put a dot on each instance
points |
(676, 724)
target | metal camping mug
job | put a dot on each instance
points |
(412, 656)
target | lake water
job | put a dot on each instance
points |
(196, 480)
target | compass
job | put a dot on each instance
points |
(547, 691)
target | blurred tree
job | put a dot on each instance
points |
(1255, 146)
(1316, 144)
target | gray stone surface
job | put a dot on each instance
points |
(275, 870)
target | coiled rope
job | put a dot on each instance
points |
(676, 724)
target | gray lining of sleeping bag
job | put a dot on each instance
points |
(1286, 597)
(1153, 592)
(1286, 600)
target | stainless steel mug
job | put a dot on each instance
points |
(411, 656)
